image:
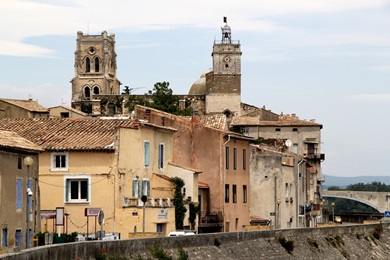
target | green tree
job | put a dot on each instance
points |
(178, 201)
(161, 98)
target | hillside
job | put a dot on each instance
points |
(345, 181)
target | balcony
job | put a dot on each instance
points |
(211, 219)
(316, 156)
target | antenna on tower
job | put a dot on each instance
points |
(225, 19)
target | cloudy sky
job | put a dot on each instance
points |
(327, 60)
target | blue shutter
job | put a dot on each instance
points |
(67, 190)
(139, 188)
(134, 185)
(19, 193)
(148, 183)
(146, 154)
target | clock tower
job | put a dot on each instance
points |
(223, 84)
(95, 71)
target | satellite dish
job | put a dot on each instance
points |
(288, 143)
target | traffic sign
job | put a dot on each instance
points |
(387, 214)
(101, 217)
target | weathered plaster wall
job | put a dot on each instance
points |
(341, 242)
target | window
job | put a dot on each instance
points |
(161, 156)
(244, 194)
(227, 157)
(136, 187)
(227, 193)
(235, 158)
(146, 187)
(244, 159)
(87, 93)
(295, 129)
(19, 193)
(64, 114)
(59, 161)
(286, 192)
(295, 148)
(87, 65)
(277, 129)
(234, 193)
(4, 237)
(96, 90)
(146, 153)
(111, 108)
(20, 162)
(77, 189)
(97, 64)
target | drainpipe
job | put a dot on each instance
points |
(298, 190)
(224, 179)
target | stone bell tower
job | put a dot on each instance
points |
(95, 71)
(223, 85)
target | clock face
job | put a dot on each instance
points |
(227, 59)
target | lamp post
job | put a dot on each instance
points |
(144, 198)
(311, 213)
(28, 161)
(333, 210)
(278, 216)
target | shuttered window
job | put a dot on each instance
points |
(146, 153)
(19, 193)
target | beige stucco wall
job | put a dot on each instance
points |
(56, 112)
(11, 218)
(131, 165)
(98, 166)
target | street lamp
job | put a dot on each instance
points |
(28, 161)
(144, 199)
(333, 210)
(311, 213)
(278, 216)
(322, 213)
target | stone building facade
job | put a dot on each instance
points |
(95, 73)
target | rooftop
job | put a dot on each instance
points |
(55, 134)
(30, 105)
(9, 139)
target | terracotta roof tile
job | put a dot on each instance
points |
(30, 105)
(83, 134)
(11, 139)
(284, 120)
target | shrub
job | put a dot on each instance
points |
(286, 244)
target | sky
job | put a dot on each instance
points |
(327, 60)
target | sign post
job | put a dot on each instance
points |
(387, 214)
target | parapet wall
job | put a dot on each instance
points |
(353, 242)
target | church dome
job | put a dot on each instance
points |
(199, 86)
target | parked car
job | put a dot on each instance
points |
(181, 233)
(338, 219)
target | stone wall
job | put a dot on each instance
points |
(340, 242)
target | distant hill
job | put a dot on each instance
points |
(345, 181)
